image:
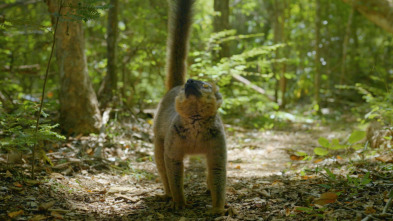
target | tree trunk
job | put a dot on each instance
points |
(317, 78)
(79, 111)
(378, 11)
(345, 45)
(279, 37)
(221, 23)
(109, 86)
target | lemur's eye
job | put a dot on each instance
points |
(205, 85)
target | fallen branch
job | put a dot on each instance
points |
(252, 86)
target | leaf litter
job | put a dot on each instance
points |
(270, 177)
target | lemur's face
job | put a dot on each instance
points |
(198, 99)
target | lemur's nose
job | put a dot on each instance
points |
(189, 81)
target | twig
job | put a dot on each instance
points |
(368, 217)
(43, 90)
(389, 203)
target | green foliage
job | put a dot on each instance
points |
(25, 37)
(17, 129)
(238, 95)
(334, 145)
(380, 101)
(87, 9)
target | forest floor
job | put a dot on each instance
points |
(267, 179)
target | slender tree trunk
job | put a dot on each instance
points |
(279, 37)
(317, 78)
(79, 111)
(109, 86)
(221, 23)
(345, 45)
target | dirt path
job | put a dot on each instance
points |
(263, 183)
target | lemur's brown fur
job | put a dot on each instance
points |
(187, 121)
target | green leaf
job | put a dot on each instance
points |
(357, 147)
(324, 186)
(387, 138)
(366, 179)
(301, 153)
(336, 145)
(356, 136)
(304, 209)
(324, 142)
(321, 151)
(331, 175)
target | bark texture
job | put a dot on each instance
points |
(379, 12)
(109, 86)
(317, 77)
(221, 23)
(280, 37)
(79, 111)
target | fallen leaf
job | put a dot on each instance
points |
(38, 218)
(326, 198)
(8, 174)
(15, 214)
(32, 182)
(385, 158)
(318, 160)
(301, 209)
(264, 193)
(56, 176)
(46, 206)
(17, 184)
(296, 158)
(287, 212)
(56, 215)
(370, 210)
(90, 151)
(307, 177)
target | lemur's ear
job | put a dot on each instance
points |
(217, 94)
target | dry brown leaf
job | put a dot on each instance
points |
(15, 214)
(326, 198)
(90, 151)
(296, 158)
(38, 218)
(287, 212)
(318, 160)
(8, 174)
(370, 210)
(307, 177)
(56, 176)
(385, 158)
(56, 215)
(17, 184)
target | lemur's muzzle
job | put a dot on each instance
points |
(192, 88)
